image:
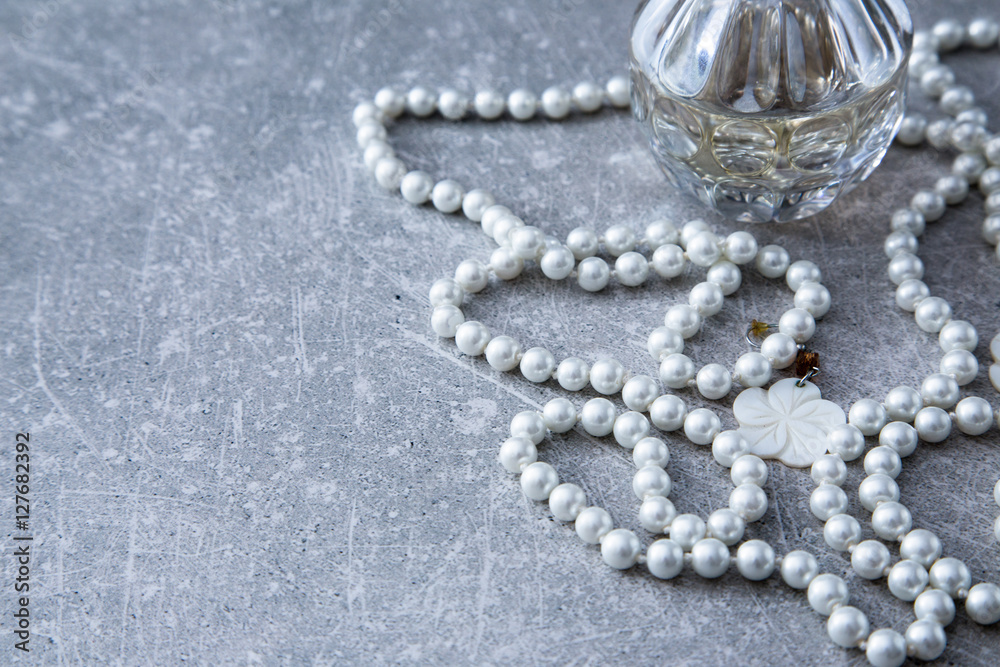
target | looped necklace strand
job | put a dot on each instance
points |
(814, 432)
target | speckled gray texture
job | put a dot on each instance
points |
(249, 448)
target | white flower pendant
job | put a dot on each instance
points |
(787, 422)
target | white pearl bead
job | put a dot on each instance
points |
(651, 481)
(780, 349)
(389, 172)
(982, 33)
(930, 204)
(921, 546)
(421, 101)
(713, 381)
(968, 137)
(951, 576)
(798, 324)
(630, 428)
(755, 560)
(567, 501)
(452, 104)
(955, 100)
(752, 370)
(740, 247)
(375, 151)
(471, 338)
(898, 242)
(588, 96)
(870, 559)
(829, 469)
(556, 102)
(902, 404)
(983, 604)
(703, 249)
(949, 34)
(707, 298)
(877, 489)
(886, 648)
(900, 437)
(989, 180)
(826, 592)
(726, 526)
(446, 292)
(650, 452)
(687, 529)
(939, 136)
(516, 454)
(749, 501)
(842, 531)
(883, 460)
(639, 392)
(538, 364)
(475, 203)
(969, 166)
(907, 579)
(631, 269)
(617, 90)
(503, 353)
(910, 294)
(814, 299)
(905, 266)
(526, 242)
(798, 569)
(620, 549)
(710, 558)
(668, 413)
(961, 365)
(939, 390)
(505, 264)
(593, 274)
(664, 559)
(934, 605)
(726, 275)
(503, 226)
(447, 196)
(867, 416)
(953, 188)
(802, 272)
(973, 415)
(557, 263)
(908, 220)
(676, 371)
(582, 242)
(391, 102)
(692, 228)
(618, 240)
(846, 441)
(991, 228)
(656, 514)
(607, 376)
(922, 60)
(728, 446)
(522, 104)
(538, 480)
(489, 104)
(663, 342)
(935, 80)
(472, 276)
(847, 627)
(598, 417)
(912, 127)
(891, 521)
(827, 501)
(364, 112)
(683, 319)
(445, 320)
(932, 424)
(369, 131)
(701, 426)
(772, 261)
(661, 232)
(559, 415)
(749, 469)
(668, 261)
(592, 524)
(573, 374)
(490, 217)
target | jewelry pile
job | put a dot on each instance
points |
(789, 421)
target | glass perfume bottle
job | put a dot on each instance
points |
(769, 109)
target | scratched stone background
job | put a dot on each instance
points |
(247, 445)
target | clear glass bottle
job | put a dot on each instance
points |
(769, 109)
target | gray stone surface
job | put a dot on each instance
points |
(248, 446)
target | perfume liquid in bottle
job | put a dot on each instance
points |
(769, 109)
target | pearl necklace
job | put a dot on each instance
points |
(922, 575)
